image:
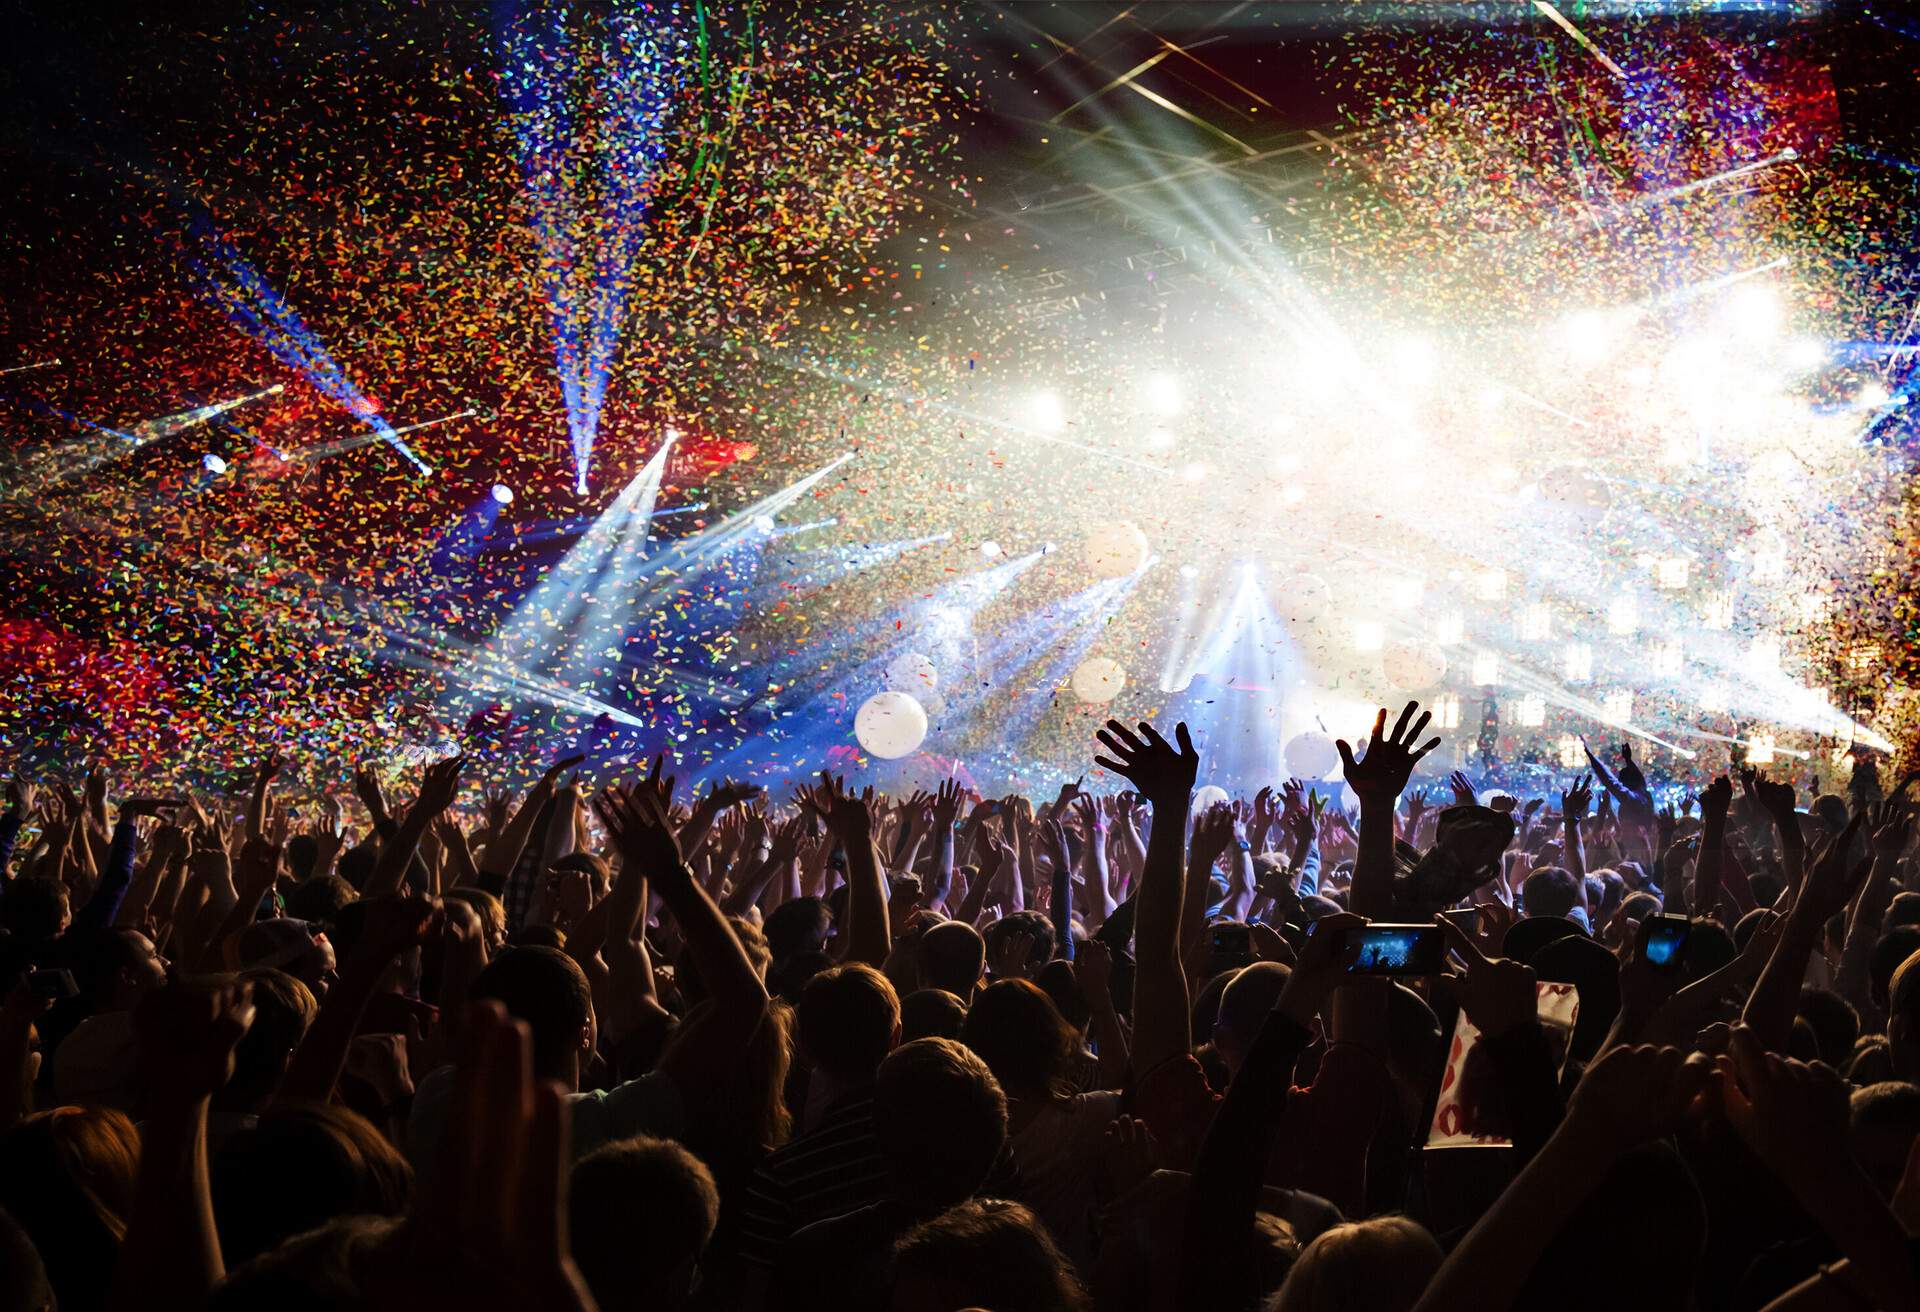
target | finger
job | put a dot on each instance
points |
(1461, 942)
(1106, 764)
(1185, 739)
(1379, 725)
(1347, 762)
(1151, 736)
(1419, 725)
(1421, 755)
(1400, 734)
(1128, 744)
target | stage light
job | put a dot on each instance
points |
(1160, 439)
(1716, 611)
(1872, 395)
(1590, 334)
(1286, 462)
(1486, 669)
(1414, 362)
(1490, 584)
(1670, 659)
(990, 549)
(1048, 548)
(1195, 472)
(1573, 752)
(1866, 656)
(671, 433)
(1369, 636)
(1162, 393)
(1405, 594)
(213, 463)
(1760, 749)
(1450, 628)
(1753, 311)
(1533, 711)
(1292, 494)
(1617, 708)
(1623, 615)
(1189, 571)
(1578, 661)
(763, 523)
(1536, 622)
(1446, 712)
(1671, 572)
(1046, 413)
(503, 494)
(1804, 355)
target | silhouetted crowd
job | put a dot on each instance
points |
(646, 1046)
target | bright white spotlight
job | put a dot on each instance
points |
(1533, 710)
(1446, 712)
(1189, 571)
(1162, 392)
(990, 549)
(1617, 708)
(1623, 615)
(1195, 472)
(1369, 636)
(1805, 355)
(1160, 439)
(1716, 611)
(1590, 334)
(1579, 662)
(763, 523)
(1486, 670)
(1414, 361)
(1046, 412)
(671, 433)
(1573, 752)
(213, 463)
(1872, 395)
(1752, 310)
(503, 494)
(1293, 494)
(1760, 749)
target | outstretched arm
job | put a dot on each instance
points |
(1164, 775)
(1377, 779)
(437, 791)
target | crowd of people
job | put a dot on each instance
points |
(645, 1046)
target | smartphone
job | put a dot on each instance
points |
(53, 984)
(1468, 918)
(1232, 945)
(1397, 949)
(1663, 940)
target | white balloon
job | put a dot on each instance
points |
(890, 725)
(910, 672)
(1098, 679)
(1116, 549)
(1302, 598)
(1208, 796)
(1413, 665)
(1310, 755)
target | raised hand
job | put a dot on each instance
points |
(1381, 775)
(1464, 793)
(637, 822)
(1321, 967)
(1575, 801)
(1633, 1094)
(185, 1039)
(946, 803)
(1497, 994)
(849, 817)
(1831, 880)
(1717, 796)
(440, 785)
(729, 793)
(489, 1228)
(1792, 1114)
(1159, 771)
(366, 786)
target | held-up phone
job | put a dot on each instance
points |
(1396, 949)
(1232, 945)
(53, 984)
(1663, 941)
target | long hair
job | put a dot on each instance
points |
(67, 1176)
